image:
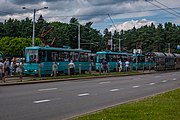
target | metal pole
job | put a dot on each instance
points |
(79, 68)
(119, 44)
(90, 68)
(79, 36)
(39, 70)
(69, 73)
(136, 62)
(111, 43)
(34, 12)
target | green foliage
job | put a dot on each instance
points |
(11, 46)
(147, 38)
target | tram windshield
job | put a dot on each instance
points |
(32, 56)
(100, 58)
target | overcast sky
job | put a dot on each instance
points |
(114, 14)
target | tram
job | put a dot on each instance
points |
(164, 61)
(41, 59)
(138, 61)
(112, 59)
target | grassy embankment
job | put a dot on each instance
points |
(164, 106)
(88, 75)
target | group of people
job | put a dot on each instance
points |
(120, 65)
(71, 67)
(104, 65)
(8, 67)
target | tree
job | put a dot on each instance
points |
(11, 46)
(106, 40)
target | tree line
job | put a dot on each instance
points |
(15, 35)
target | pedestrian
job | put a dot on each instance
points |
(54, 69)
(71, 66)
(105, 65)
(14, 66)
(120, 65)
(6, 66)
(127, 65)
(2, 76)
(11, 67)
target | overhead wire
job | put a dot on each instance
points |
(167, 7)
(162, 8)
(105, 14)
(112, 22)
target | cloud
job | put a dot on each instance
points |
(130, 24)
(95, 11)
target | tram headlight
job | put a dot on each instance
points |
(35, 70)
(25, 70)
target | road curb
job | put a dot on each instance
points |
(67, 79)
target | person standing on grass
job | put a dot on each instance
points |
(54, 69)
(127, 65)
(2, 71)
(105, 65)
(6, 66)
(71, 66)
(120, 65)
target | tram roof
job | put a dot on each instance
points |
(169, 55)
(177, 55)
(54, 48)
(139, 54)
(159, 54)
(111, 52)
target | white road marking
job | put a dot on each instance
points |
(41, 101)
(84, 94)
(47, 89)
(164, 81)
(151, 83)
(135, 86)
(174, 78)
(105, 82)
(113, 90)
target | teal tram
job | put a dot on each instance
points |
(112, 59)
(143, 61)
(41, 59)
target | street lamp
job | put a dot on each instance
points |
(79, 38)
(34, 13)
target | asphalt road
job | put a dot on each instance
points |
(63, 100)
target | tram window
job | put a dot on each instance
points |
(60, 58)
(55, 56)
(52, 56)
(124, 58)
(65, 56)
(76, 57)
(83, 57)
(32, 56)
(71, 56)
(42, 56)
(111, 58)
(100, 57)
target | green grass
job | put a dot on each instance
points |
(87, 75)
(165, 106)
